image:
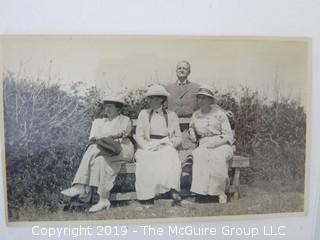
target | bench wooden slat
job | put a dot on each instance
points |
(123, 196)
(181, 121)
(237, 161)
(184, 120)
(132, 195)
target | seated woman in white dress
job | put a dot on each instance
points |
(108, 148)
(158, 167)
(211, 128)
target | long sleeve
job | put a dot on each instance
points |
(128, 129)
(140, 130)
(117, 127)
(192, 130)
(124, 129)
(191, 123)
(176, 135)
(94, 129)
(214, 125)
(226, 130)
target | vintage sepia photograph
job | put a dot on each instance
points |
(140, 127)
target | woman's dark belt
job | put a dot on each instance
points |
(156, 136)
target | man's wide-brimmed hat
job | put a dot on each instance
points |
(206, 90)
(157, 90)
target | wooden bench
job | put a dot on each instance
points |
(235, 165)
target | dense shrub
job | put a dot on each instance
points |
(280, 141)
(46, 132)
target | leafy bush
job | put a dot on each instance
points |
(280, 141)
(46, 132)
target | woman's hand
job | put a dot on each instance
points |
(122, 134)
(215, 142)
(163, 142)
(192, 135)
(158, 147)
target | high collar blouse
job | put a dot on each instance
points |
(145, 128)
(158, 124)
(106, 127)
(213, 123)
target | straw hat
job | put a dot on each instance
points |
(157, 90)
(112, 97)
(206, 90)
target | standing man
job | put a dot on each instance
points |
(182, 99)
(183, 102)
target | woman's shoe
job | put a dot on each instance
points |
(85, 197)
(102, 204)
(176, 198)
(72, 192)
(222, 198)
(175, 195)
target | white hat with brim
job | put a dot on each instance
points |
(111, 99)
(205, 90)
(157, 90)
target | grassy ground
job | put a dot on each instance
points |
(254, 201)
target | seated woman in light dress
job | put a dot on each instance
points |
(158, 167)
(211, 128)
(108, 148)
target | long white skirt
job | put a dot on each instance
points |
(99, 171)
(210, 169)
(157, 171)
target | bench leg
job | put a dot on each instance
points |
(236, 183)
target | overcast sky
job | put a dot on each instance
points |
(135, 62)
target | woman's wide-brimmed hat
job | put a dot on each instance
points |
(157, 90)
(111, 98)
(206, 90)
